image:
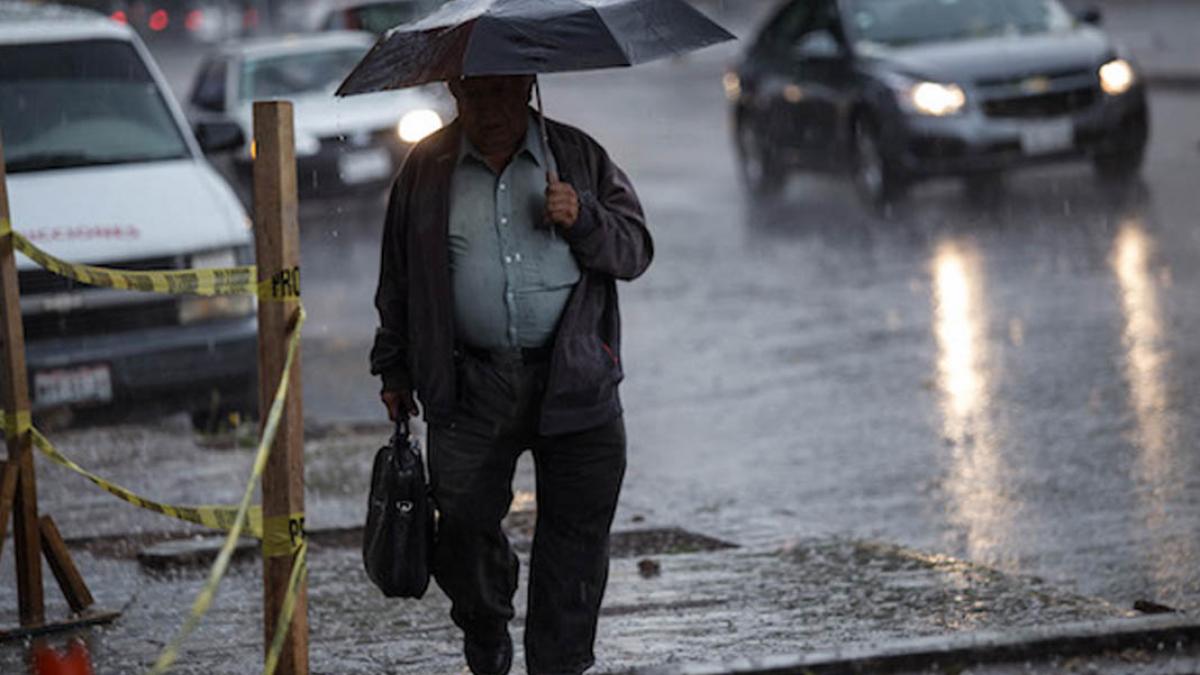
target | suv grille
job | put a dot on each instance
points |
(1053, 104)
(155, 312)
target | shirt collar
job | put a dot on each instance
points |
(531, 145)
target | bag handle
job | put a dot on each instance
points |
(403, 430)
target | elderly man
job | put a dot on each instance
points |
(498, 309)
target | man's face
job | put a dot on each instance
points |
(494, 110)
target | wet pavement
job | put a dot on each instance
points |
(1010, 382)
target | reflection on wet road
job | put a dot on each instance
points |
(1163, 457)
(977, 469)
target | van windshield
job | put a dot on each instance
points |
(897, 23)
(86, 103)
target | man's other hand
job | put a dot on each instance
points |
(562, 204)
(399, 403)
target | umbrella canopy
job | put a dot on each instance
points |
(524, 37)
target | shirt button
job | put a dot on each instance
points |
(518, 257)
(508, 259)
(503, 187)
(503, 221)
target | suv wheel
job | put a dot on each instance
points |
(879, 182)
(762, 172)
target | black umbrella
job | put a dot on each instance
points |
(526, 37)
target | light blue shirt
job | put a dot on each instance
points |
(511, 274)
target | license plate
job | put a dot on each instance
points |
(91, 384)
(1047, 137)
(366, 165)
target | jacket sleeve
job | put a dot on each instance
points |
(389, 355)
(610, 235)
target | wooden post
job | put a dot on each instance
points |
(14, 398)
(70, 581)
(277, 244)
(8, 491)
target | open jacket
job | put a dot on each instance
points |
(415, 346)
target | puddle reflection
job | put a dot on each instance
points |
(1160, 465)
(976, 480)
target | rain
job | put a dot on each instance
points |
(857, 428)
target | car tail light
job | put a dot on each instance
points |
(194, 20)
(159, 20)
(119, 16)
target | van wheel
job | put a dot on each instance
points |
(227, 408)
(762, 172)
(879, 182)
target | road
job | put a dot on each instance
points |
(1012, 382)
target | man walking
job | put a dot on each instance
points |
(498, 310)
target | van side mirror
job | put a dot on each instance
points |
(1091, 16)
(818, 44)
(219, 136)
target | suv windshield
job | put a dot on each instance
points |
(291, 74)
(905, 22)
(82, 103)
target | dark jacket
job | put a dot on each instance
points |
(415, 346)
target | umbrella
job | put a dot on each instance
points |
(527, 37)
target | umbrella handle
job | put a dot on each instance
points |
(551, 174)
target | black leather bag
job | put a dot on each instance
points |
(398, 537)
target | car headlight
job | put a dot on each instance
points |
(193, 309)
(418, 124)
(938, 100)
(1116, 77)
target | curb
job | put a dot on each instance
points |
(1157, 633)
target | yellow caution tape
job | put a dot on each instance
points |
(215, 517)
(283, 285)
(282, 535)
(205, 597)
(287, 609)
(17, 423)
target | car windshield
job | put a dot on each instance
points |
(905, 22)
(381, 17)
(87, 103)
(298, 73)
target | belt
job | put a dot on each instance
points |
(525, 355)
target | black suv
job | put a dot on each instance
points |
(894, 91)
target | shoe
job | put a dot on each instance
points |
(489, 657)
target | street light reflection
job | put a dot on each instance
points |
(1160, 465)
(975, 484)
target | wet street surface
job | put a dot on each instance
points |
(1008, 380)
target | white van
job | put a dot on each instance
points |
(103, 169)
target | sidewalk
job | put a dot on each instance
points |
(702, 606)
(674, 598)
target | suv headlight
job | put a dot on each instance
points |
(938, 100)
(1117, 77)
(194, 309)
(921, 97)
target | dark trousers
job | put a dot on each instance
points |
(579, 476)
